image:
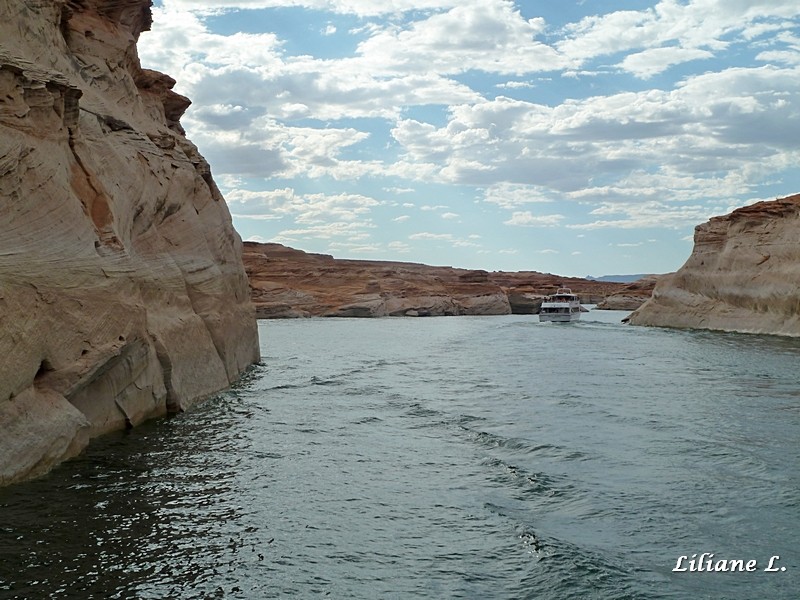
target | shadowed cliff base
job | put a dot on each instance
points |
(741, 276)
(122, 291)
(289, 283)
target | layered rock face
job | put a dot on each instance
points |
(291, 283)
(742, 275)
(122, 292)
(632, 296)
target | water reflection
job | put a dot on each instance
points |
(436, 458)
(151, 513)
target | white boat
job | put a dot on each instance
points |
(561, 307)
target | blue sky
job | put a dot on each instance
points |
(573, 137)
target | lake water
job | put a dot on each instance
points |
(456, 457)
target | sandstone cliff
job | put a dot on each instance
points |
(742, 275)
(122, 292)
(291, 283)
(632, 296)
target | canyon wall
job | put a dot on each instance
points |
(122, 291)
(290, 283)
(741, 276)
(632, 296)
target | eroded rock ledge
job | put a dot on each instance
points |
(122, 291)
(632, 296)
(742, 275)
(289, 283)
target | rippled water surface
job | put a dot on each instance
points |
(439, 458)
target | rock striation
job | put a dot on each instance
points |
(288, 283)
(122, 291)
(741, 276)
(632, 296)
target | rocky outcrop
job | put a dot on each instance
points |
(742, 275)
(122, 292)
(632, 296)
(291, 283)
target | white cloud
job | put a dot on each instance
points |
(528, 219)
(491, 36)
(350, 231)
(302, 208)
(788, 58)
(453, 240)
(247, 92)
(431, 236)
(399, 247)
(653, 61)
(713, 136)
(512, 195)
(181, 44)
(400, 114)
(515, 85)
(646, 215)
(360, 8)
(353, 248)
(253, 71)
(694, 25)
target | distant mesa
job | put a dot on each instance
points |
(632, 295)
(289, 283)
(620, 278)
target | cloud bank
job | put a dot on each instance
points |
(617, 121)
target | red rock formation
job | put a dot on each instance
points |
(632, 296)
(742, 275)
(122, 292)
(292, 283)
